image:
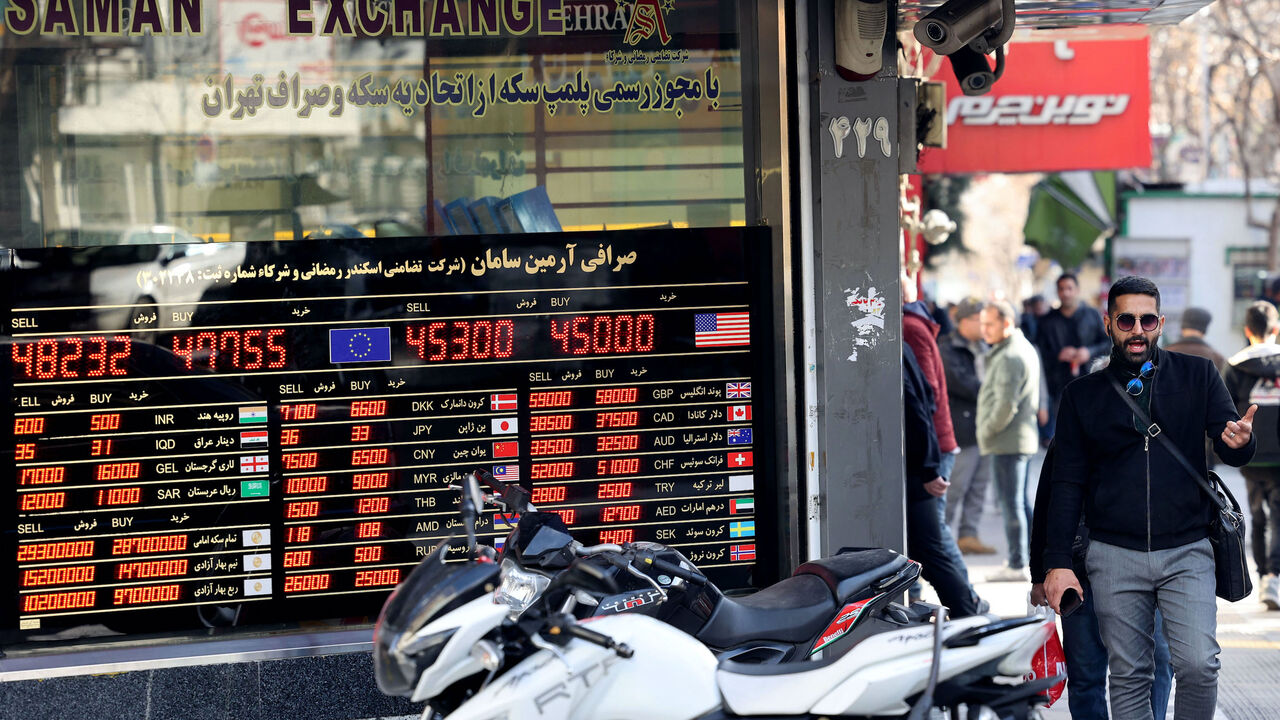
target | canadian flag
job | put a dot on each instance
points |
(739, 412)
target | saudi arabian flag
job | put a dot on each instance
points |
(256, 414)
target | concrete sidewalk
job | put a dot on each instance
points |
(1249, 683)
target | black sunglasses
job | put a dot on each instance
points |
(1125, 321)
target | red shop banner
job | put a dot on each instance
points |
(1060, 106)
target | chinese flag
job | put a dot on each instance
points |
(508, 448)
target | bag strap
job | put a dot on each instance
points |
(1153, 430)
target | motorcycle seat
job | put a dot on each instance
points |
(849, 573)
(792, 611)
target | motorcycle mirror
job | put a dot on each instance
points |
(472, 488)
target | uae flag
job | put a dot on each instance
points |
(503, 401)
(742, 506)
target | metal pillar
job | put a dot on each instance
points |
(850, 249)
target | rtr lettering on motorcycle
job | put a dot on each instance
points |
(566, 689)
(843, 623)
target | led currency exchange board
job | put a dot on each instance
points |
(263, 434)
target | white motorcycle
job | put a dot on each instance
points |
(444, 638)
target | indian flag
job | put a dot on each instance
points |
(255, 414)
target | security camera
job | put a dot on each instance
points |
(966, 30)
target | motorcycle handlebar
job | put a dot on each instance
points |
(604, 641)
(671, 569)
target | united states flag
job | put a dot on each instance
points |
(737, 390)
(720, 329)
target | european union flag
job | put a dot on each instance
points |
(360, 345)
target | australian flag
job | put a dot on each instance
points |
(740, 436)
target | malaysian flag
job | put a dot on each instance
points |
(507, 473)
(737, 390)
(718, 329)
(742, 552)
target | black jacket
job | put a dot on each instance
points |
(962, 386)
(1055, 331)
(918, 437)
(1134, 494)
(1251, 378)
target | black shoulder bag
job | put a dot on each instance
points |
(1226, 533)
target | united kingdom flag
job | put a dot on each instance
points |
(737, 390)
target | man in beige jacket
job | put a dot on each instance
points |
(1008, 434)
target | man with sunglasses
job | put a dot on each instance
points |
(1148, 519)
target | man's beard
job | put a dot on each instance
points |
(1120, 350)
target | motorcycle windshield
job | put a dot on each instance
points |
(542, 540)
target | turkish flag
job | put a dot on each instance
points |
(739, 459)
(508, 448)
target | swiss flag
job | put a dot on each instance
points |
(503, 401)
(509, 448)
(738, 413)
(739, 459)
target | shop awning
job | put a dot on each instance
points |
(1069, 212)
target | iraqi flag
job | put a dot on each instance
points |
(253, 437)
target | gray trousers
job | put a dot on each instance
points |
(968, 491)
(1127, 586)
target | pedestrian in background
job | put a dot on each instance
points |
(1148, 521)
(927, 538)
(1195, 323)
(1069, 336)
(1008, 434)
(1033, 308)
(963, 358)
(1251, 378)
(920, 333)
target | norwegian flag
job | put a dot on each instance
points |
(742, 552)
(737, 390)
(503, 401)
(507, 473)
